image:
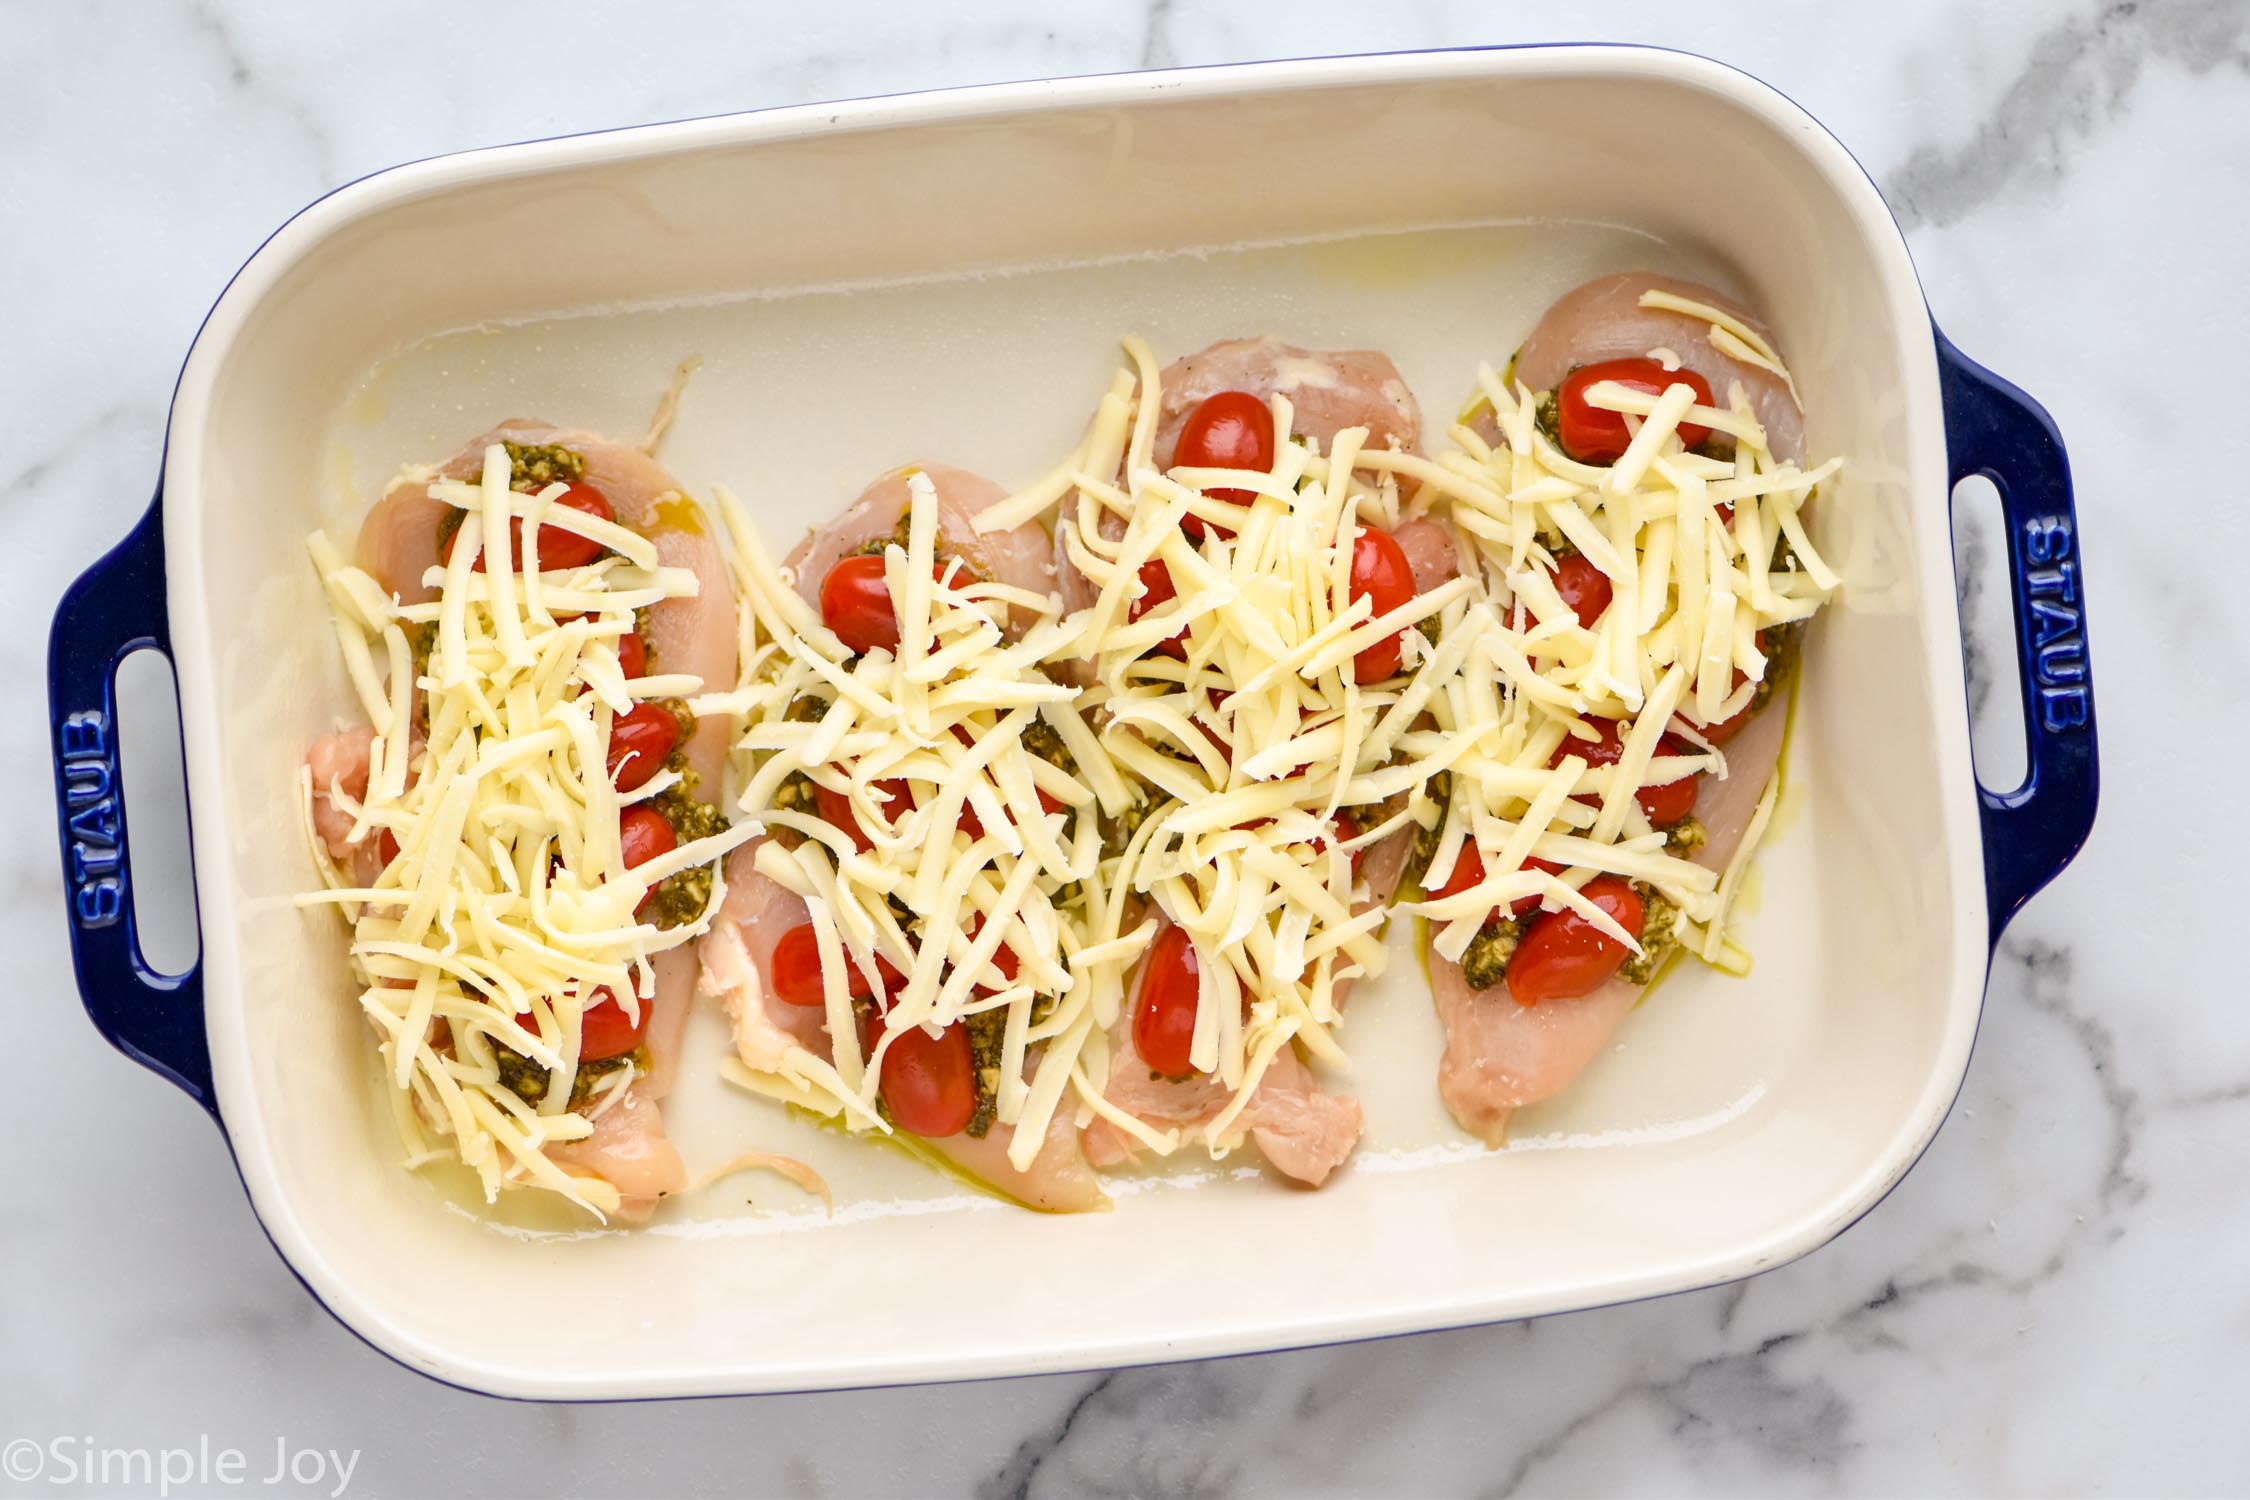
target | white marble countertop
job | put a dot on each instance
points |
(2057, 1299)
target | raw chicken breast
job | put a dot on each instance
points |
(1604, 320)
(1501, 1056)
(1329, 390)
(737, 954)
(398, 545)
(339, 762)
(629, 1150)
(1304, 1131)
(1023, 558)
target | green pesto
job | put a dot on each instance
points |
(1426, 839)
(1546, 415)
(421, 640)
(531, 468)
(877, 546)
(1484, 963)
(527, 1080)
(987, 1031)
(1686, 836)
(534, 466)
(1045, 741)
(680, 899)
(1118, 832)
(1782, 645)
(447, 525)
(1660, 927)
(795, 794)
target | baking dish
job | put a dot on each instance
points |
(1741, 1124)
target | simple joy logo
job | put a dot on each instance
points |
(81, 1462)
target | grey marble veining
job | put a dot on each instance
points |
(2056, 1300)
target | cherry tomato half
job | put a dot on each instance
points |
(855, 602)
(795, 974)
(836, 807)
(1563, 956)
(1164, 1011)
(1232, 430)
(1003, 957)
(1156, 590)
(605, 1030)
(632, 654)
(1347, 829)
(632, 651)
(973, 826)
(643, 833)
(1727, 728)
(928, 1082)
(1664, 805)
(1468, 873)
(1584, 587)
(640, 741)
(1380, 573)
(1595, 435)
(1674, 800)
(558, 548)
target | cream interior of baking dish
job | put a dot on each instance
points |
(943, 277)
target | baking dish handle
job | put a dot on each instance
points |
(2032, 831)
(115, 609)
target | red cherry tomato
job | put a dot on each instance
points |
(928, 1082)
(795, 974)
(1380, 573)
(643, 833)
(1727, 728)
(836, 807)
(605, 1030)
(558, 549)
(1347, 829)
(1468, 873)
(855, 602)
(1164, 1011)
(1003, 957)
(1674, 800)
(1232, 430)
(973, 826)
(794, 968)
(1584, 587)
(632, 653)
(640, 740)
(1157, 589)
(386, 846)
(1594, 435)
(1664, 805)
(1562, 956)
(566, 549)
